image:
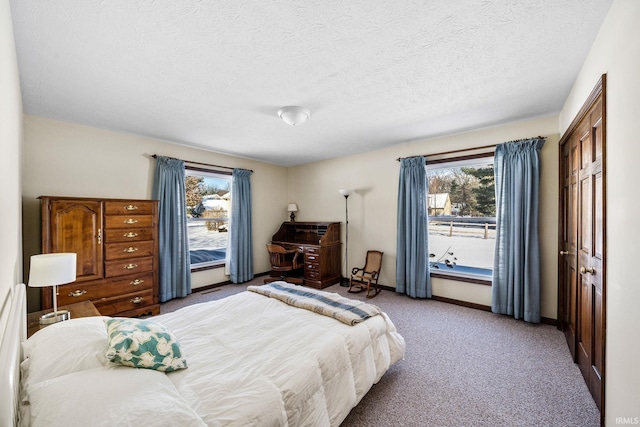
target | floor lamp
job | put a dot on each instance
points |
(346, 194)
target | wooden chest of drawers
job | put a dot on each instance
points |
(116, 241)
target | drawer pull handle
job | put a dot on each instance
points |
(136, 282)
(77, 293)
(130, 221)
(130, 249)
(130, 207)
(130, 266)
(131, 234)
(137, 300)
(312, 257)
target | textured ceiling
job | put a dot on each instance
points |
(213, 74)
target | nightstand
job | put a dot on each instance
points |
(79, 309)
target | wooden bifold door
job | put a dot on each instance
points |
(581, 279)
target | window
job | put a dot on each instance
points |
(462, 217)
(208, 205)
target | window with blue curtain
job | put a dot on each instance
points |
(412, 257)
(516, 271)
(240, 256)
(174, 273)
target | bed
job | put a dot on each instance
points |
(253, 358)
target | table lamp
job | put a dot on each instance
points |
(52, 270)
(293, 208)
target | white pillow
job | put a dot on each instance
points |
(110, 396)
(63, 348)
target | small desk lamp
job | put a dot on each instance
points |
(52, 270)
(293, 208)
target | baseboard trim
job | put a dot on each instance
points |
(549, 321)
(461, 303)
(544, 320)
(226, 282)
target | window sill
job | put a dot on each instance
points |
(469, 278)
(207, 267)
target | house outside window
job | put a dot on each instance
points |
(462, 222)
(208, 200)
(439, 204)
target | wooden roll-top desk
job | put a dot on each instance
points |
(319, 242)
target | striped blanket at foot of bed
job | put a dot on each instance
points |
(328, 304)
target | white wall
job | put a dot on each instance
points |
(10, 159)
(616, 52)
(372, 208)
(65, 159)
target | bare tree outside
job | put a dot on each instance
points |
(193, 191)
(440, 182)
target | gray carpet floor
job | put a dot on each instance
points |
(463, 367)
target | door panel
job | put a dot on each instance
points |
(596, 256)
(582, 287)
(584, 322)
(70, 219)
(568, 244)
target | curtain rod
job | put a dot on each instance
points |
(463, 150)
(155, 156)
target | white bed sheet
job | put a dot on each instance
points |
(253, 360)
(257, 360)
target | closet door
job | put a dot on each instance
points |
(567, 265)
(590, 339)
(581, 279)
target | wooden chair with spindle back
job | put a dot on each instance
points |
(363, 278)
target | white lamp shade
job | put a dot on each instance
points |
(292, 207)
(294, 115)
(345, 192)
(52, 269)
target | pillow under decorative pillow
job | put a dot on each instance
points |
(143, 344)
(64, 348)
(109, 396)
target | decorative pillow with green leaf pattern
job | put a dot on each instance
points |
(143, 344)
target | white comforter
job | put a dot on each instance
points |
(252, 360)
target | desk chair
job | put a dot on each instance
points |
(285, 261)
(362, 278)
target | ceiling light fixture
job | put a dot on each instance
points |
(293, 115)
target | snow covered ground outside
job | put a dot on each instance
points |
(470, 250)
